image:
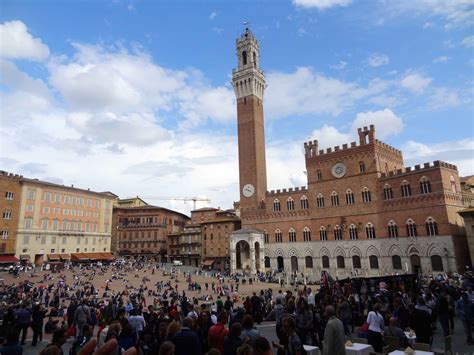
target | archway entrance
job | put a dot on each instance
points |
(280, 264)
(257, 256)
(242, 254)
(415, 264)
(294, 263)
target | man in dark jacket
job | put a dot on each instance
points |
(186, 341)
(256, 308)
(420, 321)
(23, 321)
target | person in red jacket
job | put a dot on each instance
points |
(218, 332)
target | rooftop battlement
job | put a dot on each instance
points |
(287, 191)
(10, 175)
(366, 136)
(418, 168)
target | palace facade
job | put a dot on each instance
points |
(362, 212)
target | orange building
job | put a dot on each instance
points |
(56, 221)
(10, 193)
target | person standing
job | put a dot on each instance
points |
(37, 323)
(294, 347)
(376, 326)
(464, 310)
(333, 334)
(23, 321)
(218, 332)
(81, 317)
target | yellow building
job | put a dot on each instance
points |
(57, 220)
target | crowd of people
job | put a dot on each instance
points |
(219, 319)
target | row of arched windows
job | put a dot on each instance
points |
(405, 189)
(431, 228)
(436, 262)
(320, 202)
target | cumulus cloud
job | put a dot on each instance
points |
(377, 60)
(443, 97)
(386, 122)
(17, 43)
(455, 14)
(306, 92)
(468, 42)
(213, 15)
(320, 4)
(416, 83)
(460, 153)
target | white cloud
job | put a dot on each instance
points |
(213, 15)
(320, 4)
(443, 97)
(428, 24)
(455, 14)
(468, 42)
(17, 43)
(460, 153)
(329, 136)
(339, 66)
(416, 83)
(441, 59)
(307, 92)
(377, 59)
(385, 121)
(301, 31)
(218, 30)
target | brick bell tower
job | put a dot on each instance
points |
(249, 85)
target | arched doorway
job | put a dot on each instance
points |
(280, 264)
(242, 254)
(294, 263)
(257, 256)
(415, 262)
(267, 262)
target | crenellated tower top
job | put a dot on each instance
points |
(248, 79)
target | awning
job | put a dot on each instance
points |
(24, 257)
(208, 262)
(108, 256)
(53, 257)
(5, 259)
(79, 256)
(65, 256)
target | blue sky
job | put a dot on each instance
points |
(135, 96)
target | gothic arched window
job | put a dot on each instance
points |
(337, 232)
(334, 199)
(323, 234)
(290, 204)
(353, 232)
(387, 192)
(406, 189)
(306, 234)
(392, 229)
(431, 226)
(411, 228)
(304, 203)
(370, 231)
(292, 235)
(425, 186)
(276, 205)
(349, 197)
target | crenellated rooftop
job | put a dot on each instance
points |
(419, 168)
(287, 191)
(366, 137)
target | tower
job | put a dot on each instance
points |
(249, 85)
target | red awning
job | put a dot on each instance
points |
(53, 257)
(5, 259)
(208, 262)
(65, 256)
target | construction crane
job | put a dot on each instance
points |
(185, 199)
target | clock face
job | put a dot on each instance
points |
(248, 190)
(339, 170)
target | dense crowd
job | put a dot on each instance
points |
(220, 319)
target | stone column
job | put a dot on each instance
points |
(253, 268)
(233, 263)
